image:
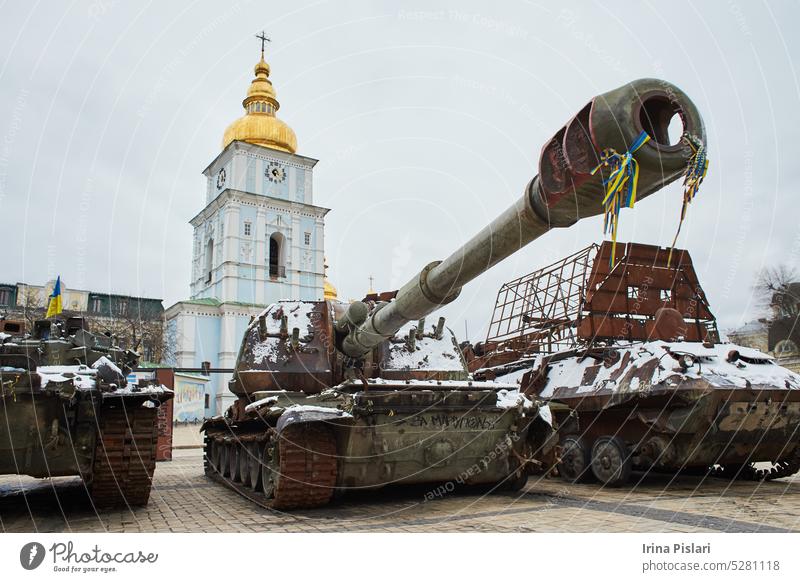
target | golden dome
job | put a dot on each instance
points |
(329, 292)
(259, 125)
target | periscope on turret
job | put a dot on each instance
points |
(335, 398)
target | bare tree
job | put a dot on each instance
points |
(144, 335)
(779, 288)
(32, 306)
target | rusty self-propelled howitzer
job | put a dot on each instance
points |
(68, 410)
(334, 397)
(630, 352)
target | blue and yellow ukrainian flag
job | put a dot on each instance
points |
(55, 307)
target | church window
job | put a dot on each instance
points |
(276, 266)
(247, 228)
(307, 238)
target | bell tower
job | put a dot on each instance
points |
(259, 239)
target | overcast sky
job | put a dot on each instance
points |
(427, 119)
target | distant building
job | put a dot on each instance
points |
(259, 239)
(752, 335)
(778, 335)
(136, 322)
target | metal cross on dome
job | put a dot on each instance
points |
(264, 38)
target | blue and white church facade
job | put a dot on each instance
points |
(259, 239)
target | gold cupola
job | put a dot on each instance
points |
(329, 291)
(259, 125)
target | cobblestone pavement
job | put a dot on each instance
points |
(184, 500)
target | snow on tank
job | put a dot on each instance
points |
(429, 353)
(638, 368)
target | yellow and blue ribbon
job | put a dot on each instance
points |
(696, 170)
(621, 185)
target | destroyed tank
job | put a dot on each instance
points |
(631, 354)
(68, 409)
(335, 398)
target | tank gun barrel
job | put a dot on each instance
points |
(563, 192)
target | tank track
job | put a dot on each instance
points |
(307, 465)
(124, 457)
(749, 472)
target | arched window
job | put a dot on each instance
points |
(209, 259)
(276, 263)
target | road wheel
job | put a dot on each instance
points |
(576, 459)
(223, 458)
(254, 465)
(611, 461)
(213, 458)
(233, 460)
(270, 468)
(244, 463)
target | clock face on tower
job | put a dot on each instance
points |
(221, 178)
(275, 172)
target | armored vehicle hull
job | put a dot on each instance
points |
(290, 452)
(676, 406)
(630, 350)
(68, 410)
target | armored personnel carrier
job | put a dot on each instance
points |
(335, 398)
(632, 347)
(67, 409)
